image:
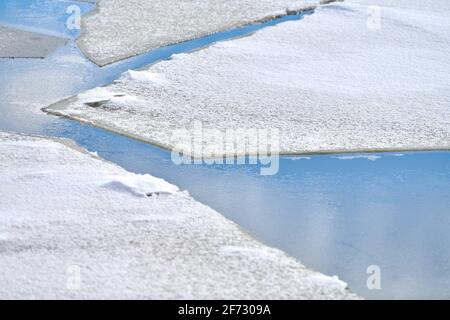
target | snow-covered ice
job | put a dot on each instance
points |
(119, 29)
(75, 226)
(330, 82)
(440, 6)
(16, 43)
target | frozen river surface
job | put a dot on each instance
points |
(338, 214)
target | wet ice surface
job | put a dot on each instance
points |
(121, 29)
(372, 212)
(328, 82)
(35, 28)
(16, 43)
(94, 217)
(44, 16)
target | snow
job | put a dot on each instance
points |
(120, 29)
(144, 76)
(73, 226)
(140, 185)
(433, 6)
(16, 43)
(328, 83)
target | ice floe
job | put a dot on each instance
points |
(140, 185)
(330, 82)
(119, 29)
(76, 227)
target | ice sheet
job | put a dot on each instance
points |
(330, 82)
(120, 29)
(74, 226)
(15, 43)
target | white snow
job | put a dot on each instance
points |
(327, 82)
(431, 6)
(144, 76)
(140, 185)
(119, 29)
(76, 227)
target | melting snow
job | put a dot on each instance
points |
(119, 29)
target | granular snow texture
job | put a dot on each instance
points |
(73, 226)
(119, 29)
(338, 80)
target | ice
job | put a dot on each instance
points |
(119, 29)
(299, 6)
(73, 226)
(141, 185)
(330, 82)
(16, 43)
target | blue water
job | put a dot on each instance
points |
(44, 16)
(337, 216)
